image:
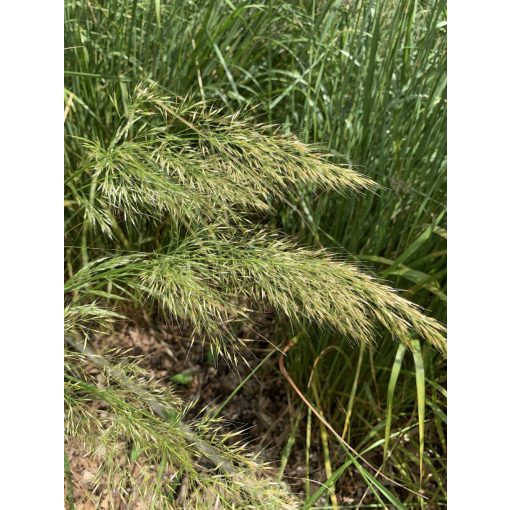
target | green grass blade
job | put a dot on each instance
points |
(395, 371)
(420, 395)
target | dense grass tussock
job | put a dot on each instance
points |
(178, 202)
(208, 255)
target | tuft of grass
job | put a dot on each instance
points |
(362, 84)
(199, 266)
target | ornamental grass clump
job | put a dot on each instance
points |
(171, 209)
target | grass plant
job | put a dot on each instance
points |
(214, 151)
